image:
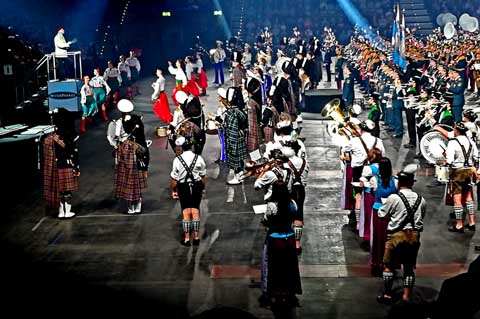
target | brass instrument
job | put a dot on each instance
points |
(253, 168)
(341, 125)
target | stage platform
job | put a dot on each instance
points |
(106, 261)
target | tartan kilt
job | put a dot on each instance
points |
(129, 181)
(254, 137)
(236, 151)
(268, 133)
(67, 181)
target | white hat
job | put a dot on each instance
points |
(222, 93)
(410, 169)
(125, 106)
(357, 109)
(288, 152)
(181, 97)
(180, 141)
(219, 42)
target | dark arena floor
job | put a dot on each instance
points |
(105, 261)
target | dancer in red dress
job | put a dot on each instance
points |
(160, 105)
(202, 80)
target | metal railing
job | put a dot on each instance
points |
(47, 58)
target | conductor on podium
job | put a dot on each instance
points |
(61, 47)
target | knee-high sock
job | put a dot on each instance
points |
(458, 210)
(470, 207)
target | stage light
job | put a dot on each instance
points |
(166, 14)
(217, 13)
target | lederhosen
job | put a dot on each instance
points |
(403, 244)
(461, 178)
(189, 190)
(298, 189)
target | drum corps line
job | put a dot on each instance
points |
(258, 125)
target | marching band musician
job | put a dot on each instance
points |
(134, 65)
(234, 127)
(397, 106)
(188, 122)
(114, 80)
(126, 75)
(406, 211)
(358, 148)
(280, 276)
(188, 185)
(218, 57)
(100, 91)
(374, 115)
(254, 111)
(246, 57)
(220, 117)
(270, 115)
(88, 102)
(132, 157)
(410, 113)
(61, 167)
(348, 94)
(457, 87)
(462, 157)
(238, 73)
(160, 100)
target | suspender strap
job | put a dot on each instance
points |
(189, 169)
(410, 211)
(466, 155)
(366, 148)
(297, 173)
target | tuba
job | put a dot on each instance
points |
(449, 30)
(341, 126)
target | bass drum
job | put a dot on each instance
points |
(433, 145)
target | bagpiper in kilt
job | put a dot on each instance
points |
(234, 129)
(61, 166)
(132, 158)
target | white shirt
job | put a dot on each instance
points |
(123, 67)
(179, 173)
(133, 62)
(178, 117)
(455, 155)
(269, 178)
(85, 91)
(179, 74)
(219, 55)
(396, 210)
(112, 73)
(61, 46)
(158, 86)
(99, 82)
(358, 152)
(189, 70)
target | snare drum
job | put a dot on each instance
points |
(162, 131)
(442, 173)
(211, 127)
